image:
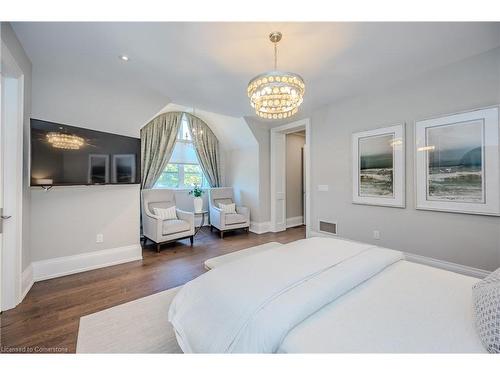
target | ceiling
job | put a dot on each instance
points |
(208, 65)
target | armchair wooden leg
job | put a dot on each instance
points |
(222, 234)
(191, 239)
(157, 247)
(211, 228)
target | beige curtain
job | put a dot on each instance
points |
(206, 146)
(158, 139)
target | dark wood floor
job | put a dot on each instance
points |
(48, 318)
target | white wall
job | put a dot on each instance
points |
(471, 240)
(262, 134)
(294, 198)
(9, 38)
(66, 220)
(243, 177)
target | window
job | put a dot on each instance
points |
(183, 170)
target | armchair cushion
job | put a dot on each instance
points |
(219, 201)
(175, 226)
(166, 213)
(235, 219)
(228, 208)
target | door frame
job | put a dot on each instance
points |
(278, 155)
(12, 155)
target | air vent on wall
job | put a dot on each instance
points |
(327, 227)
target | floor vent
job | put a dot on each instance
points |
(327, 227)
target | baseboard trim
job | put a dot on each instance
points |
(294, 221)
(313, 233)
(27, 282)
(260, 228)
(445, 265)
(428, 261)
(57, 267)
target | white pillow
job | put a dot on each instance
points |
(486, 297)
(228, 208)
(166, 213)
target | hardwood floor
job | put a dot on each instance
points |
(48, 318)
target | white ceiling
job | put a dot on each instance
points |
(207, 65)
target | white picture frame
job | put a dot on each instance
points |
(378, 166)
(457, 163)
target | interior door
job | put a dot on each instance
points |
(1, 179)
(278, 181)
(2, 149)
(11, 175)
(10, 190)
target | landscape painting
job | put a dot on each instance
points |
(376, 166)
(455, 162)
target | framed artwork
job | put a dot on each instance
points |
(457, 163)
(98, 170)
(123, 169)
(378, 176)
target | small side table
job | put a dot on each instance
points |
(198, 214)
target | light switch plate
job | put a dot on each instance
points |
(99, 238)
(376, 234)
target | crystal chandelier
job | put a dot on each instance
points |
(275, 94)
(65, 141)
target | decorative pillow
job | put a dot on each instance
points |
(228, 208)
(486, 297)
(166, 213)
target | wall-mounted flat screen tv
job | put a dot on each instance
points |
(68, 155)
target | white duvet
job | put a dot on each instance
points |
(250, 305)
(407, 308)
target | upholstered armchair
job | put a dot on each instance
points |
(162, 231)
(225, 221)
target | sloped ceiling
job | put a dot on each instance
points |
(232, 132)
(207, 65)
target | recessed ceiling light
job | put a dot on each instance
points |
(124, 58)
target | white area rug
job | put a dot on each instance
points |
(142, 326)
(139, 326)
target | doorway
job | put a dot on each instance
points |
(279, 183)
(11, 177)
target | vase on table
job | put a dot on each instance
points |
(198, 204)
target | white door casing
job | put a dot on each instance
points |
(278, 173)
(278, 181)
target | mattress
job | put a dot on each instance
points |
(407, 308)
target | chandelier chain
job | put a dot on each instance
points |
(275, 56)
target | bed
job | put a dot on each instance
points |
(326, 295)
